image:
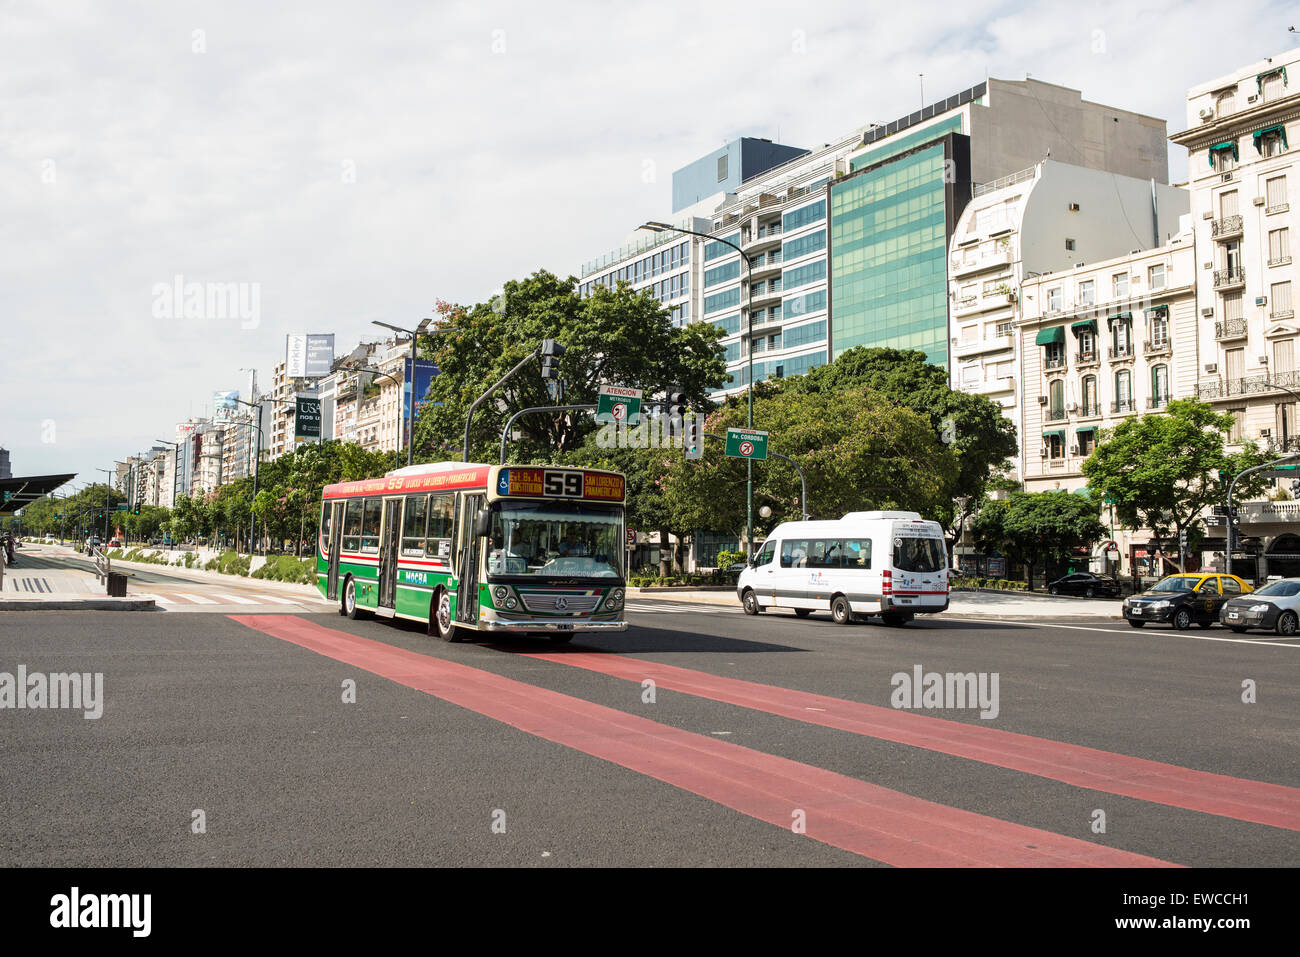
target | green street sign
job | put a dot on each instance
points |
(121, 508)
(746, 444)
(622, 405)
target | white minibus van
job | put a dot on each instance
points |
(891, 564)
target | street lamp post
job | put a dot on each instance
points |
(421, 329)
(749, 348)
(108, 486)
(397, 459)
(257, 469)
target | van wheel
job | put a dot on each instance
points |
(803, 612)
(440, 621)
(840, 611)
(750, 602)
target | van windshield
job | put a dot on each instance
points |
(919, 554)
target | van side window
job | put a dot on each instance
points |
(794, 553)
(824, 553)
(857, 553)
(766, 555)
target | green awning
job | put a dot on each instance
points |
(1048, 336)
(1279, 129)
(1084, 325)
(1118, 317)
(1085, 429)
(1225, 145)
(1059, 433)
(1157, 310)
(1259, 77)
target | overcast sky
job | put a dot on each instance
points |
(358, 161)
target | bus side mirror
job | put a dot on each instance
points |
(481, 519)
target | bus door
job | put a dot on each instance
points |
(333, 541)
(389, 537)
(467, 549)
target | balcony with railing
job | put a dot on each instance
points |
(1280, 260)
(1233, 278)
(1055, 415)
(764, 262)
(1162, 347)
(1157, 402)
(1121, 405)
(1120, 352)
(1086, 357)
(1226, 227)
(1229, 329)
(1054, 362)
(1089, 410)
(962, 348)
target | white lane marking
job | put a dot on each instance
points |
(159, 599)
(278, 600)
(235, 598)
(196, 599)
(655, 608)
(1165, 633)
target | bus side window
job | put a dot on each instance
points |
(326, 510)
(794, 553)
(352, 526)
(438, 544)
(413, 522)
(857, 553)
(371, 514)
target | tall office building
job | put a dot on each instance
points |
(847, 244)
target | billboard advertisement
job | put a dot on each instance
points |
(425, 370)
(224, 406)
(306, 422)
(319, 355)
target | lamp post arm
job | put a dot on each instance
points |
(469, 416)
(510, 423)
(1227, 562)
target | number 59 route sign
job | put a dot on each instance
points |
(746, 444)
(621, 404)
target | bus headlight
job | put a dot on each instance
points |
(511, 603)
(500, 592)
(615, 600)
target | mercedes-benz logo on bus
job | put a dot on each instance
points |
(561, 603)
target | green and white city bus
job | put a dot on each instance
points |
(469, 547)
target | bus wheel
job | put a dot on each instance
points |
(840, 611)
(348, 606)
(440, 622)
(750, 602)
(560, 637)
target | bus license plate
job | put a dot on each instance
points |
(564, 627)
(905, 601)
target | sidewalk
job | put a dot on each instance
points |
(995, 605)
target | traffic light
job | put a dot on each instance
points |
(135, 510)
(551, 352)
(693, 438)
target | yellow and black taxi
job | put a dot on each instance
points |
(1181, 600)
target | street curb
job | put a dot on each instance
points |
(212, 576)
(77, 604)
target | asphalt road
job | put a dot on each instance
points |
(245, 721)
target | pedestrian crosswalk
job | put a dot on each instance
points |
(656, 608)
(220, 601)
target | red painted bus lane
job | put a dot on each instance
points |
(1240, 798)
(844, 812)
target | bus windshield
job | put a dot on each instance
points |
(555, 540)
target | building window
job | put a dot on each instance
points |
(1225, 103)
(722, 167)
(1275, 194)
(1156, 276)
(1087, 344)
(1228, 204)
(1087, 292)
(1121, 338)
(1159, 330)
(1159, 386)
(1069, 245)
(1223, 158)
(1234, 365)
(1088, 390)
(1054, 299)
(1119, 285)
(1231, 306)
(1123, 391)
(1055, 446)
(1055, 355)
(1283, 356)
(1279, 247)
(1270, 144)
(1087, 442)
(1280, 297)
(1271, 86)
(1238, 419)
(1056, 400)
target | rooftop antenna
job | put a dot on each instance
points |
(922, 76)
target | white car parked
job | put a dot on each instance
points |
(1274, 607)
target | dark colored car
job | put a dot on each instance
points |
(1086, 584)
(1275, 607)
(1181, 600)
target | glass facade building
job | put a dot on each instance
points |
(890, 222)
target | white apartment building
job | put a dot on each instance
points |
(1243, 175)
(1047, 219)
(1099, 344)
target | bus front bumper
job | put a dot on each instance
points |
(497, 624)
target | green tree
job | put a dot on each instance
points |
(612, 336)
(1162, 471)
(981, 438)
(1034, 528)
